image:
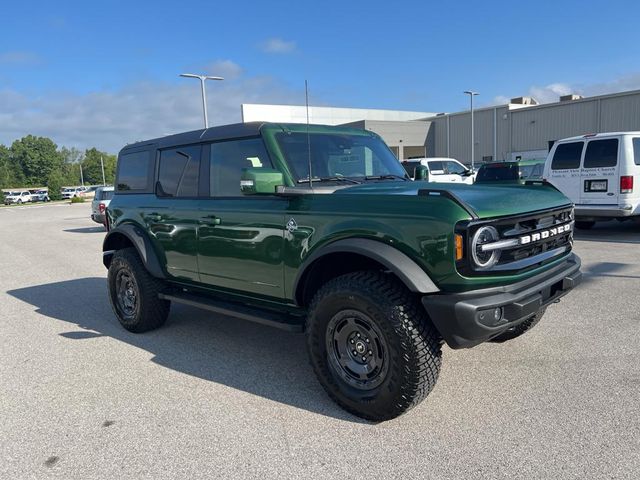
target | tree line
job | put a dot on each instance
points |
(33, 162)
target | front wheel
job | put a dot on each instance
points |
(134, 293)
(372, 346)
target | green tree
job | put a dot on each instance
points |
(10, 174)
(92, 168)
(37, 157)
(55, 182)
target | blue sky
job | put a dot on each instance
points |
(106, 73)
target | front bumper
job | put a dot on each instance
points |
(583, 211)
(458, 316)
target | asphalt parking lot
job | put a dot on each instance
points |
(213, 397)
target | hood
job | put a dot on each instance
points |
(486, 200)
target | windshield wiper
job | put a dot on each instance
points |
(388, 176)
(329, 179)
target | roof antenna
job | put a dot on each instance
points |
(306, 96)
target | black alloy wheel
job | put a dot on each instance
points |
(127, 293)
(357, 349)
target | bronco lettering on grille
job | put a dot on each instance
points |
(552, 232)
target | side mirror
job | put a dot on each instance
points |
(421, 173)
(260, 180)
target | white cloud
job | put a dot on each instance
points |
(112, 118)
(552, 92)
(278, 45)
(19, 58)
(224, 68)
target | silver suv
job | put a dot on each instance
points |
(100, 203)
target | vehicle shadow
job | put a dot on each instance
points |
(611, 232)
(96, 229)
(597, 271)
(250, 357)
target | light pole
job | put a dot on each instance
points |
(202, 79)
(471, 94)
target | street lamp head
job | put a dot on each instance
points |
(201, 77)
(470, 92)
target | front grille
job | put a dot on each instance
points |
(525, 241)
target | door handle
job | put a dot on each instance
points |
(210, 220)
(154, 217)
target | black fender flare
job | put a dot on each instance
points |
(141, 243)
(408, 271)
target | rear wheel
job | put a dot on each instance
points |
(582, 225)
(520, 329)
(372, 346)
(134, 293)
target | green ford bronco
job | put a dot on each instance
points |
(319, 230)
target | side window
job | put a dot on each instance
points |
(567, 156)
(601, 153)
(227, 161)
(134, 172)
(410, 168)
(179, 172)
(636, 150)
(436, 168)
(455, 168)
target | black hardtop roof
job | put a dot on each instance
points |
(235, 130)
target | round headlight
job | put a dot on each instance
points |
(483, 236)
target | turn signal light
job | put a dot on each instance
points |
(626, 184)
(459, 251)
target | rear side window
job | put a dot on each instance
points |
(567, 156)
(106, 195)
(179, 172)
(229, 158)
(636, 150)
(134, 172)
(601, 153)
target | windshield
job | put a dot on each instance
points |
(337, 155)
(531, 171)
(498, 172)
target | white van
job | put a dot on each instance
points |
(441, 170)
(600, 173)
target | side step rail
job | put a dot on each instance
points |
(289, 323)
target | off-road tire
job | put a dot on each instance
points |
(520, 329)
(149, 311)
(413, 346)
(582, 225)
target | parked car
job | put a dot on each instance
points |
(20, 197)
(518, 171)
(40, 196)
(100, 203)
(72, 192)
(318, 229)
(440, 170)
(600, 173)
